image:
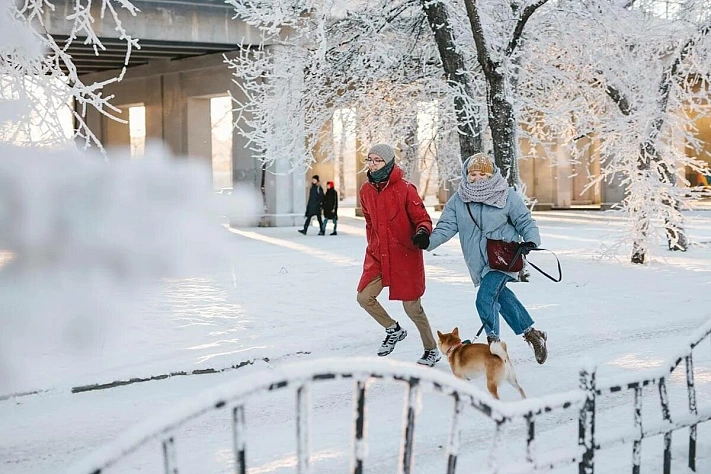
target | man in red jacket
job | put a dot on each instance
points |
(397, 228)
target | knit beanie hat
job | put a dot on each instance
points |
(480, 162)
(315, 177)
(385, 152)
(329, 184)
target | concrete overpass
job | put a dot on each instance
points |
(174, 75)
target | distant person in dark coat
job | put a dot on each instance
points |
(313, 206)
(330, 208)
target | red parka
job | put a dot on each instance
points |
(392, 216)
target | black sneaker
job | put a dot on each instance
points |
(302, 231)
(393, 336)
(333, 233)
(537, 340)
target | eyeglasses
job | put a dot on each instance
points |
(369, 161)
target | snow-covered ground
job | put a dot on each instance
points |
(282, 297)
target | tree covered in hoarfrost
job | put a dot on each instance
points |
(38, 80)
(356, 61)
(631, 90)
(384, 59)
(616, 78)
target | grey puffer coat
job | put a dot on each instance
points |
(512, 223)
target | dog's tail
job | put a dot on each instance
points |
(498, 348)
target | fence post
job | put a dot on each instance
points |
(359, 442)
(240, 439)
(586, 422)
(666, 415)
(692, 409)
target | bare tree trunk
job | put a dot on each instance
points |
(639, 246)
(502, 120)
(454, 67)
(503, 127)
(264, 221)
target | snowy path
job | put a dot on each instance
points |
(281, 293)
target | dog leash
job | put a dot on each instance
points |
(560, 271)
(467, 341)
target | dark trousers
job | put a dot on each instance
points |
(325, 223)
(307, 223)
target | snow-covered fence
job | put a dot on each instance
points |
(302, 376)
(635, 382)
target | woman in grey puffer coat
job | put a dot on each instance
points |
(495, 211)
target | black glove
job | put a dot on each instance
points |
(421, 239)
(527, 246)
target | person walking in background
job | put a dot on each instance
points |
(484, 207)
(397, 228)
(313, 206)
(330, 208)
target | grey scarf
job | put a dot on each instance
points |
(493, 191)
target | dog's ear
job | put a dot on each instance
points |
(456, 331)
(439, 334)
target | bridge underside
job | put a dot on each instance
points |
(113, 56)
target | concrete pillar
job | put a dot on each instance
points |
(527, 166)
(323, 167)
(563, 181)
(116, 134)
(199, 126)
(410, 154)
(585, 171)
(286, 197)
(246, 170)
(174, 112)
(611, 192)
(595, 169)
(285, 189)
(153, 102)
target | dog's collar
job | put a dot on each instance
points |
(449, 351)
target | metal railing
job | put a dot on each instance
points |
(417, 379)
(636, 382)
(302, 376)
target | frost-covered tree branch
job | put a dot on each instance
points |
(47, 77)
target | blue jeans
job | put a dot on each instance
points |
(325, 223)
(493, 298)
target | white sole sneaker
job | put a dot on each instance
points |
(383, 353)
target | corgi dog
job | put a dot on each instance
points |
(469, 361)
